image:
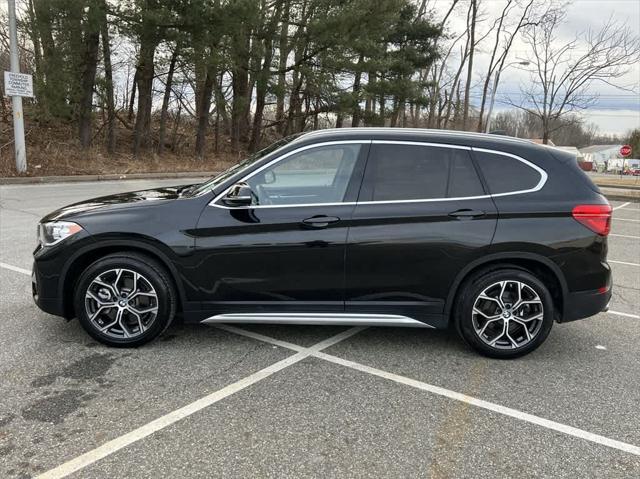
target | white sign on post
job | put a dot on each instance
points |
(18, 84)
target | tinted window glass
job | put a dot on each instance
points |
(220, 178)
(317, 175)
(505, 174)
(463, 179)
(407, 172)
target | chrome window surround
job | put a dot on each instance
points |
(541, 172)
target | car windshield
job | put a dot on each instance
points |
(220, 178)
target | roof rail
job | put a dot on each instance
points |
(452, 133)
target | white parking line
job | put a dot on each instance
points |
(15, 268)
(624, 236)
(626, 219)
(506, 411)
(162, 422)
(626, 315)
(622, 262)
(619, 207)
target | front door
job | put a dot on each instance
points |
(422, 216)
(285, 251)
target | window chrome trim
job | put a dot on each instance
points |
(538, 187)
(278, 159)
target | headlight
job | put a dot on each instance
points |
(55, 231)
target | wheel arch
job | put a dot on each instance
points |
(540, 266)
(91, 253)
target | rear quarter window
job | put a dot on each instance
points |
(506, 174)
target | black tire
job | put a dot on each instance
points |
(155, 275)
(464, 313)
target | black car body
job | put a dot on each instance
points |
(348, 226)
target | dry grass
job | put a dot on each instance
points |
(53, 149)
(617, 181)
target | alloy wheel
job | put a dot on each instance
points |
(121, 303)
(507, 315)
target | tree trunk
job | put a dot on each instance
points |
(176, 124)
(54, 88)
(78, 45)
(205, 105)
(369, 103)
(382, 102)
(108, 76)
(88, 75)
(262, 84)
(132, 99)
(240, 87)
(283, 49)
(37, 55)
(221, 104)
(355, 122)
(200, 70)
(165, 100)
(546, 131)
(472, 47)
(142, 131)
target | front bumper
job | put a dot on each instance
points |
(45, 292)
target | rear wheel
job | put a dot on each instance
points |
(505, 313)
(125, 300)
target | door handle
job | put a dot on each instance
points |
(320, 221)
(467, 214)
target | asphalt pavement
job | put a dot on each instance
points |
(294, 401)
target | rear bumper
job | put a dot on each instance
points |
(583, 304)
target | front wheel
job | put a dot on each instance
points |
(505, 314)
(125, 300)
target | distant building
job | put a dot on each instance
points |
(572, 149)
(540, 141)
(600, 155)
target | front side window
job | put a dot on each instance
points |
(316, 175)
(417, 172)
(222, 177)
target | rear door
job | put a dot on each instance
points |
(422, 216)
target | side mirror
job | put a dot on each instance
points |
(240, 194)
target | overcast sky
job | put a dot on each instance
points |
(616, 111)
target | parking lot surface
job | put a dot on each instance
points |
(294, 401)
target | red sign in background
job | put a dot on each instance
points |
(625, 150)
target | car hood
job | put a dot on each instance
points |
(133, 199)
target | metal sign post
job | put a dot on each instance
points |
(16, 100)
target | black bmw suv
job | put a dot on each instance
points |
(496, 236)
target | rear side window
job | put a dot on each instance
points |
(505, 174)
(415, 172)
(463, 179)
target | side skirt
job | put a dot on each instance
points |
(341, 319)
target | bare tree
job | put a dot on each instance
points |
(164, 111)
(471, 21)
(505, 33)
(563, 73)
(108, 76)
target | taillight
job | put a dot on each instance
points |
(595, 217)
